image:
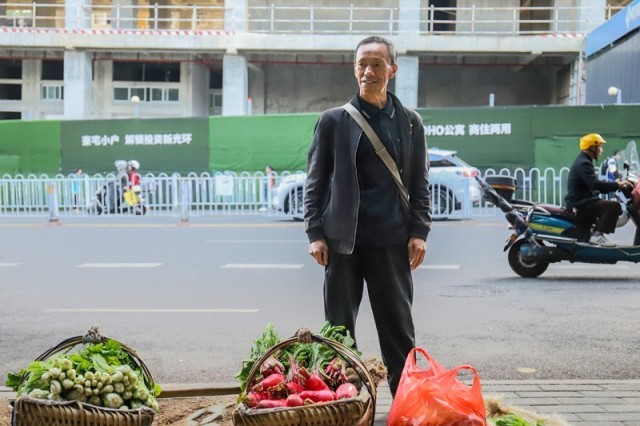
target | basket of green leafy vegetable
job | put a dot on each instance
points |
(103, 383)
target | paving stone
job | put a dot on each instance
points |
(610, 417)
(553, 394)
(568, 408)
(570, 387)
(622, 408)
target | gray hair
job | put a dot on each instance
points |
(379, 40)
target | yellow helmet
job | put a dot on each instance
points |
(587, 141)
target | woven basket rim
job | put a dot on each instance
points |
(347, 354)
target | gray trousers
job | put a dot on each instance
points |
(390, 287)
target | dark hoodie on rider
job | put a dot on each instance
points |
(584, 185)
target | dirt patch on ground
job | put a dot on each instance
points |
(173, 411)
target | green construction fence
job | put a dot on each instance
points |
(486, 137)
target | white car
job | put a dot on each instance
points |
(451, 179)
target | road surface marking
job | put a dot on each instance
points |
(171, 311)
(263, 266)
(439, 267)
(118, 265)
(6, 265)
(258, 241)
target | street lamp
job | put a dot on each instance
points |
(614, 91)
(135, 100)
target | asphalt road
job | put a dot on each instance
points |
(192, 299)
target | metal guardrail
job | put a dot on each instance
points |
(233, 193)
(309, 19)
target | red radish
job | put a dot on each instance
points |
(252, 399)
(293, 387)
(269, 382)
(324, 395)
(294, 400)
(346, 390)
(272, 403)
(271, 366)
(315, 383)
(335, 373)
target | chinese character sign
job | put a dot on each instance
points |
(167, 145)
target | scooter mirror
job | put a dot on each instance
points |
(626, 165)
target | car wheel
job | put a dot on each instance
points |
(297, 195)
(442, 201)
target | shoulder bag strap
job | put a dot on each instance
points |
(381, 151)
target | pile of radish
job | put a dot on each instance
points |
(299, 386)
(299, 373)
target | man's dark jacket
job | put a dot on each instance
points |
(332, 194)
(584, 185)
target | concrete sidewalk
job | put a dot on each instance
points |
(578, 402)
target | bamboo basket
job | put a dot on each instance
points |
(39, 412)
(358, 411)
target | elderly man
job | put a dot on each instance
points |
(368, 214)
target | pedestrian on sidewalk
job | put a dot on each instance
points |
(359, 226)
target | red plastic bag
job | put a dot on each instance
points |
(435, 396)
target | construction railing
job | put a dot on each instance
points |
(233, 193)
(310, 19)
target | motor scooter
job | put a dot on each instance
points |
(545, 233)
(110, 199)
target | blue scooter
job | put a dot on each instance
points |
(545, 233)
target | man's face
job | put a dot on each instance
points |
(373, 69)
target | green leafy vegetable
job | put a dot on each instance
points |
(101, 374)
(307, 355)
(513, 420)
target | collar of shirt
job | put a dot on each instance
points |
(371, 111)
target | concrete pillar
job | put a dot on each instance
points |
(234, 85)
(77, 13)
(257, 89)
(406, 81)
(409, 16)
(236, 15)
(589, 15)
(102, 89)
(77, 85)
(194, 84)
(31, 69)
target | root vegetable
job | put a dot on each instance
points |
(107, 389)
(252, 399)
(325, 395)
(55, 372)
(272, 403)
(66, 364)
(271, 366)
(346, 390)
(67, 384)
(315, 383)
(293, 388)
(269, 382)
(38, 394)
(294, 400)
(55, 387)
(112, 400)
(95, 400)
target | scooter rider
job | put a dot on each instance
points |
(583, 189)
(134, 176)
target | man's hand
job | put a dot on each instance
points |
(624, 184)
(319, 250)
(417, 250)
